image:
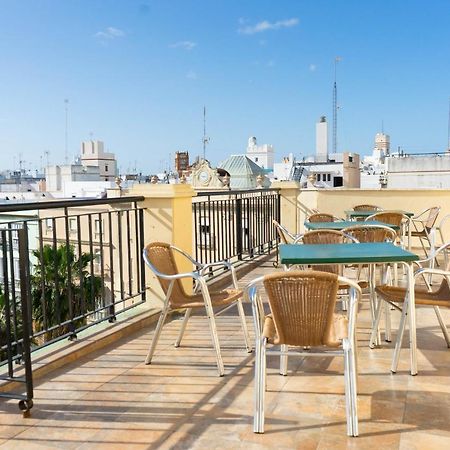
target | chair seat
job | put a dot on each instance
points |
(421, 233)
(362, 284)
(337, 332)
(395, 294)
(218, 298)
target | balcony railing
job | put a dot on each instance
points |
(234, 225)
(84, 260)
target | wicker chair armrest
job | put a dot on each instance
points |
(422, 213)
(433, 271)
(433, 254)
(251, 294)
(355, 294)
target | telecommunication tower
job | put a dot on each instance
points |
(205, 138)
(335, 105)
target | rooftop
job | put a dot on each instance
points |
(109, 399)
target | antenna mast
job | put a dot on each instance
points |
(66, 108)
(205, 138)
(335, 106)
(448, 127)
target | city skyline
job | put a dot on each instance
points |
(137, 75)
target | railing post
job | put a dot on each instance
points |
(25, 298)
(289, 212)
(239, 230)
(168, 218)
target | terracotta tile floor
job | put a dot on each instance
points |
(111, 400)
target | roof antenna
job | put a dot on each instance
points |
(205, 138)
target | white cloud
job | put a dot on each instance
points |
(186, 45)
(312, 67)
(191, 75)
(265, 25)
(110, 33)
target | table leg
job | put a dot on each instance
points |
(409, 310)
(412, 320)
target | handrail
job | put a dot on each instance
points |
(52, 204)
(235, 192)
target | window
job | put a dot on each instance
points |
(97, 259)
(98, 226)
(106, 167)
(256, 159)
(49, 224)
(72, 224)
(318, 177)
(350, 159)
(329, 177)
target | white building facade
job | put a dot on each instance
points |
(93, 154)
(260, 154)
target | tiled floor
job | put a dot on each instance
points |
(111, 400)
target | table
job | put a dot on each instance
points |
(362, 253)
(351, 214)
(341, 224)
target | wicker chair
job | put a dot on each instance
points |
(321, 217)
(325, 237)
(395, 218)
(302, 315)
(424, 225)
(366, 208)
(371, 233)
(424, 296)
(160, 258)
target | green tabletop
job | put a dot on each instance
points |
(367, 252)
(341, 224)
(354, 214)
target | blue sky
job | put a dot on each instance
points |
(138, 73)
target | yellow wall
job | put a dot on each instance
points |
(337, 201)
(167, 218)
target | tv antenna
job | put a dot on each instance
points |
(335, 105)
(66, 134)
(205, 138)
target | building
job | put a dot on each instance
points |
(420, 171)
(93, 154)
(260, 154)
(181, 162)
(244, 173)
(322, 140)
(282, 171)
(76, 180)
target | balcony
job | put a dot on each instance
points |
(108, 398)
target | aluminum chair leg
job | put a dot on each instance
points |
(283, 360)
(187, 314)
(374, 340)
(348, 401)
(248, 345)
(442, 325)
(398, 344)
(260, 381)
(162, 319)
(387, 320)
(353, 390)
(215, 340)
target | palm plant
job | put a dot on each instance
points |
(50, 287)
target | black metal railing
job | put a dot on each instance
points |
(234, 225)
(15, 317)
(84, 261)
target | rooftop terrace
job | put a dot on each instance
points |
(109, 399)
